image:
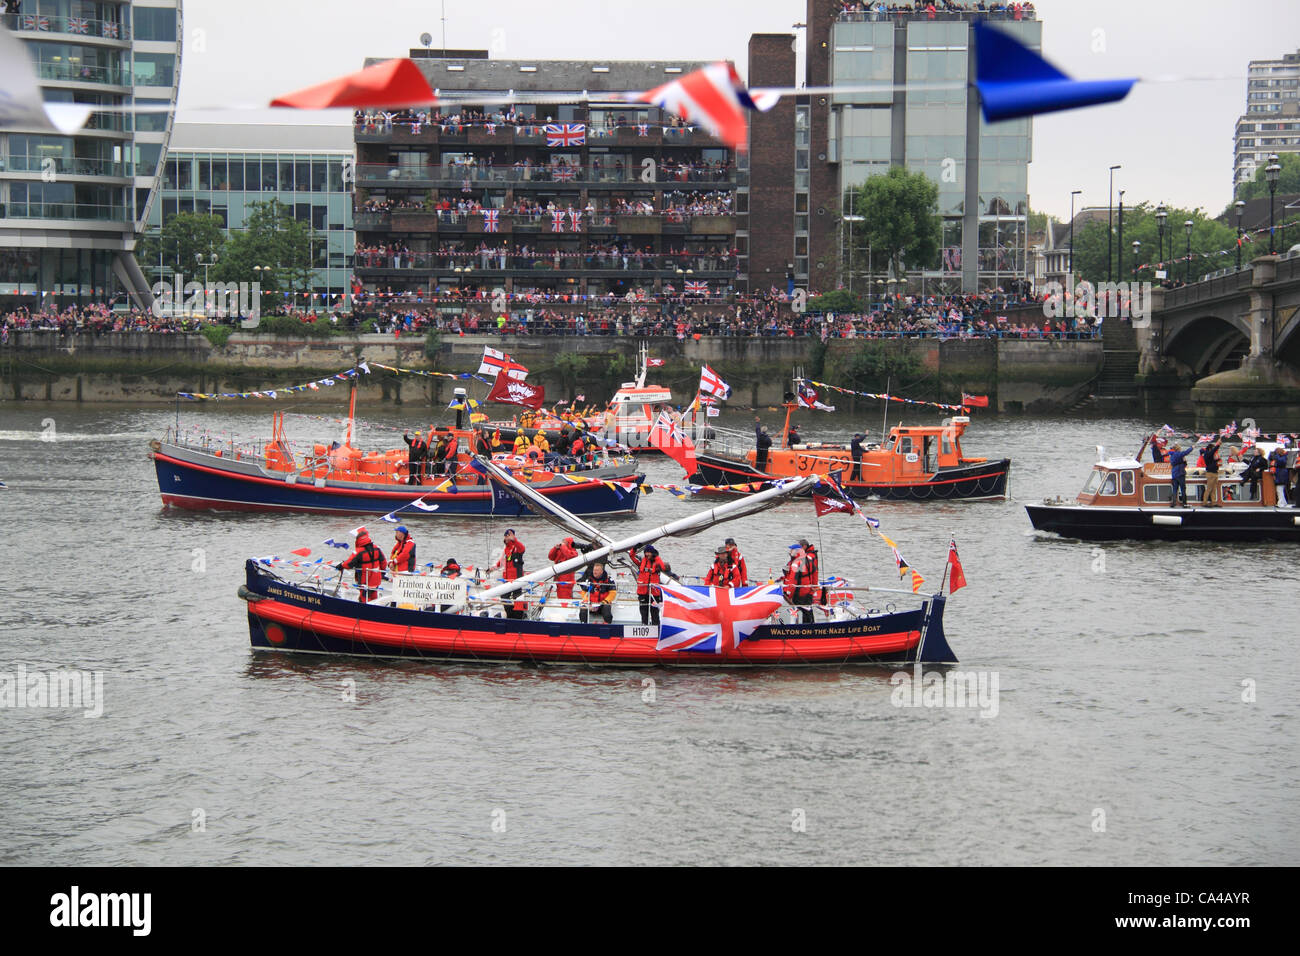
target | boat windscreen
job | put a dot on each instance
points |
(1093, 482)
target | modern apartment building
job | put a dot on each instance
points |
(552, 194)
(223, 169)
(1271, 123)
(72, 207)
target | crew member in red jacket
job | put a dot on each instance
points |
(511, 564)
(649, 567)
(737, 559)
(723, 573)
(403, 554)
(563, 551)
(367, 563)
(800, 580)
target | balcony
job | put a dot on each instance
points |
(77, 73)
(567, 264)
(69, 211)
(480, 176)
(76, 26)
(72, 167)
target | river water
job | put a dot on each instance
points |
(1145, 711)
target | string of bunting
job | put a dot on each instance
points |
(345, 375)
(890, 398)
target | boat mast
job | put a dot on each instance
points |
(643, 355)
(352, 414)
(884, 421)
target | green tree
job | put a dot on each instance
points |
(901, 225)
(1141, 224)
(185, 235)
(877, 364)
(838, 300)
(273, 249)
(1288, 178)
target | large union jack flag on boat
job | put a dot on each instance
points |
(713, 620)
(566, 134)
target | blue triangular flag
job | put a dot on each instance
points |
(1015, 81)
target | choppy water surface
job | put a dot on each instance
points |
(1120, 672)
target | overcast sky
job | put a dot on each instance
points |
(1174, 139)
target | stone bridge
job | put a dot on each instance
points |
(1230, 342)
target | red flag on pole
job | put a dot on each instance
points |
(511, 391)
(826, 506)
(957, 578)
(975, 401)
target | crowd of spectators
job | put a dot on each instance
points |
(864, 9)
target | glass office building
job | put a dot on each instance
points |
(225, 169)
(72, 207)
(931, 126)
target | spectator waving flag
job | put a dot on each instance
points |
(566, 134)
(713, 620)
(712, 384)
(713, 98)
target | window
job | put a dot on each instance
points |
(154, 69)
(1157, 493)
(1109, 485)
(1126, 485)
(1094, 479)
(155, 24)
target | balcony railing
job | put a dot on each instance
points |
(77, 26)
(873, 13)
(655, 221)
(72, 167)
(375, 128)
(82, 73)
(68, 210)
(456, 174)
(684, 266)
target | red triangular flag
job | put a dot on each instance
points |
(301, 552)
(391, 83)
(957, 578)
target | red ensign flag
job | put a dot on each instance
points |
(957, 578)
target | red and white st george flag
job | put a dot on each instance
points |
(713, 98)
(956, 577)
(712, 384)
(494, 362)
(514, 392)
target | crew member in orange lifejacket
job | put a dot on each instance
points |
(742, 570)
(453, 452)
(511, 564)
(649, 567)
(819, 594)
(723, 573)
(496, 439)
(563, 551)
(440, 455)
(367, 562)
(800, 578)
(403, 554)
(415, 456)
(601, 591)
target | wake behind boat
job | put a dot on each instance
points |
(421, 616)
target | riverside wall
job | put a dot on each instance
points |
(1018, 375)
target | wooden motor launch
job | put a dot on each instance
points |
(467, 621)
(1127, 499)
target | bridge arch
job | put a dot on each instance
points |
(1208, 344)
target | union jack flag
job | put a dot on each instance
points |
(78, 25)
(566, 134)
(643, 129)
(491, 129)
(490, 220)
(32, 22)
(564, 174)
(696, 288)
(713, 98)
(712, 384)
(808, 398)
(575, 220)
(109, 29)
(713, 620)
(557, 221)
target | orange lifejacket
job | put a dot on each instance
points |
(723, 574)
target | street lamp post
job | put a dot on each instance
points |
(1241, 208)
(1187, 270)
(1137, 246)
(1110, 201)
(1161, 215)
(1271, 172)
(1070, 271)
(1119, 242)
(851, 220)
